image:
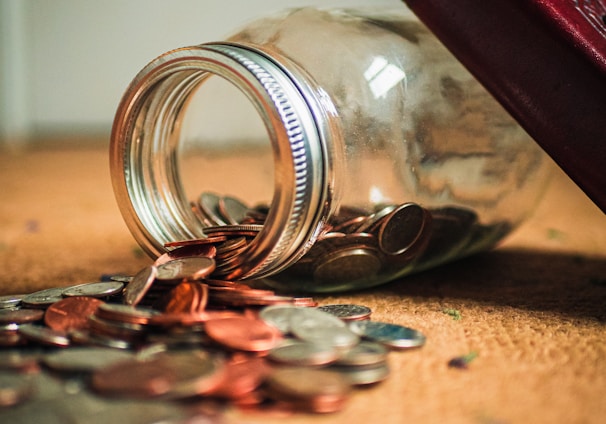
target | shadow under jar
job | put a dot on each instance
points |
(321, 150)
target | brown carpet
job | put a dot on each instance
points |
(533, 310)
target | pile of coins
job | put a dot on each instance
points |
(176, 336)
(357, 246)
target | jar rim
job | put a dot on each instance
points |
(300, 123)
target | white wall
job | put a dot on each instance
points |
(65, 63)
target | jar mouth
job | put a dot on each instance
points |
(299, 119)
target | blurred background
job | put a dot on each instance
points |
(64, 64)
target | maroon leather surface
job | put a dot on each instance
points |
(545, 61)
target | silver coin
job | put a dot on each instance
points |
(320, 327)
(43, 298)
(121, 278)
(391, 335)
(208, 206)
(44, 335)
(10, 301)
(187, 268)
(279, 316)
(347, 312)
(98, 289)
(363, 375)
(84, 359)
(140, 284)
(303, 353)
(364, 353)
(312, 318)
(232, 210)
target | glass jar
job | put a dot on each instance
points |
(320, 150)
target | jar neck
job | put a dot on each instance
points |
(301, 124)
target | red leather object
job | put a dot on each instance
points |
(545, 61)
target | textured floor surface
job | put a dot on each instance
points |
(533, 310)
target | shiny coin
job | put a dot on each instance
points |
(336, 337)
(302, 353)
(194, 249)
(99, 289)
(232, 210)
(71, 313)
(44, 335)
(402, 228)
(187, 297)
(121, 278)
(189, 268)
(10, 301)
(43, 298)
(391, 335)
(241, 378)
(316, 326)
(313, 318)
(208, 206)
(206, 241)
(140, 284)
(242, 333)
(347, 312)
(279, 316)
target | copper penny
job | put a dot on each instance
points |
(242, 333)
(242, 378)
(71, 313)
(208, 250)
(189, 296)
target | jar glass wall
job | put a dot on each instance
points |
(403, 160)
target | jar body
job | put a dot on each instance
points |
(394, 160)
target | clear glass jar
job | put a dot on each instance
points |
(346, 148)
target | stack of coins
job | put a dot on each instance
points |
(195, 339)
(355, 245)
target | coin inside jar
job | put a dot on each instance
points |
(402, 228)
(346, 265)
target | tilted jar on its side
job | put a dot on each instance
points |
(338, 149)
